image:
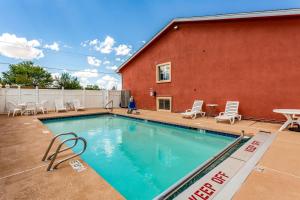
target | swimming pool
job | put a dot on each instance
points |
(140, 158)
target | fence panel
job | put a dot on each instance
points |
(115, 95)
(94, 98)
(28, 95)
(89, 98)
(50, 95)
(12, 95)
(69, 95)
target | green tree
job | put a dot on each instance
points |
(27, 74)
(92, 87)
(67, 81)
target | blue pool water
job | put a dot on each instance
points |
(140, 159)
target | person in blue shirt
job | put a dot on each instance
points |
(132, 106)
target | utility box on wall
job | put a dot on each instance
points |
(125, 96)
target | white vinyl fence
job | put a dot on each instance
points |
(88, 98)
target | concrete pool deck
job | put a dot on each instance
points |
(23, 175)
(23, 141)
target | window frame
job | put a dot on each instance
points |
(163, 97)
(157, 74)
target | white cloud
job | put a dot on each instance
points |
(19, 48)
(105, 46)
(55, 74)
(93, 61)
(106, 62)
(143, 41)
(123, 49)
(54, 46)
(94, 42)
(84, 82)
(84, 44)
(112, 67)
(87, 73)
(118, 59)
(67, 46)
(108, 82)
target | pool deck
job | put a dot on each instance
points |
(23, 175)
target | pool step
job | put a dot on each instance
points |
(225, 179)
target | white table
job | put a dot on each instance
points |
(288, 113)
(22, 106)
(211, 109)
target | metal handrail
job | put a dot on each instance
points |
(68, 158)
(52, 141)
(112, 105)
(171, 190)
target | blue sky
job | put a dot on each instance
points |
(64, 33)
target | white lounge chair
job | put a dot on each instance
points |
(13, 108)
(77, 105)
(42, 107)
(230, 113)
(196, 109)
(59, 105)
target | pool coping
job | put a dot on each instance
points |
(224, 180)
(195, 126)
(177, 186)
(236, 182)
(217, 132)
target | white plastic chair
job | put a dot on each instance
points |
(230, 113)
(77, 105)
(196, 109)
(13, 108)
(42, 107)
(59, 105)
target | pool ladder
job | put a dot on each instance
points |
(53, 156)
(112, 105)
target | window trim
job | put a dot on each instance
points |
(163, 97)
(157, 76)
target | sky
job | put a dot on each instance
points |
(91, 38)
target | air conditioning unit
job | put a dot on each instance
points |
(125, 96)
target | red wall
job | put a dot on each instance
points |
(254, 61)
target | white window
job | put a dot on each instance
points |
(164, 103)
(163, 72)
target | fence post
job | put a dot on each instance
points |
(5, 99)
(62, 94)
(103, 97)
(106, 96)
(83, 97)
(37, 98)
(19, 94)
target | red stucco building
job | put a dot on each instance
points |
(250, 57)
